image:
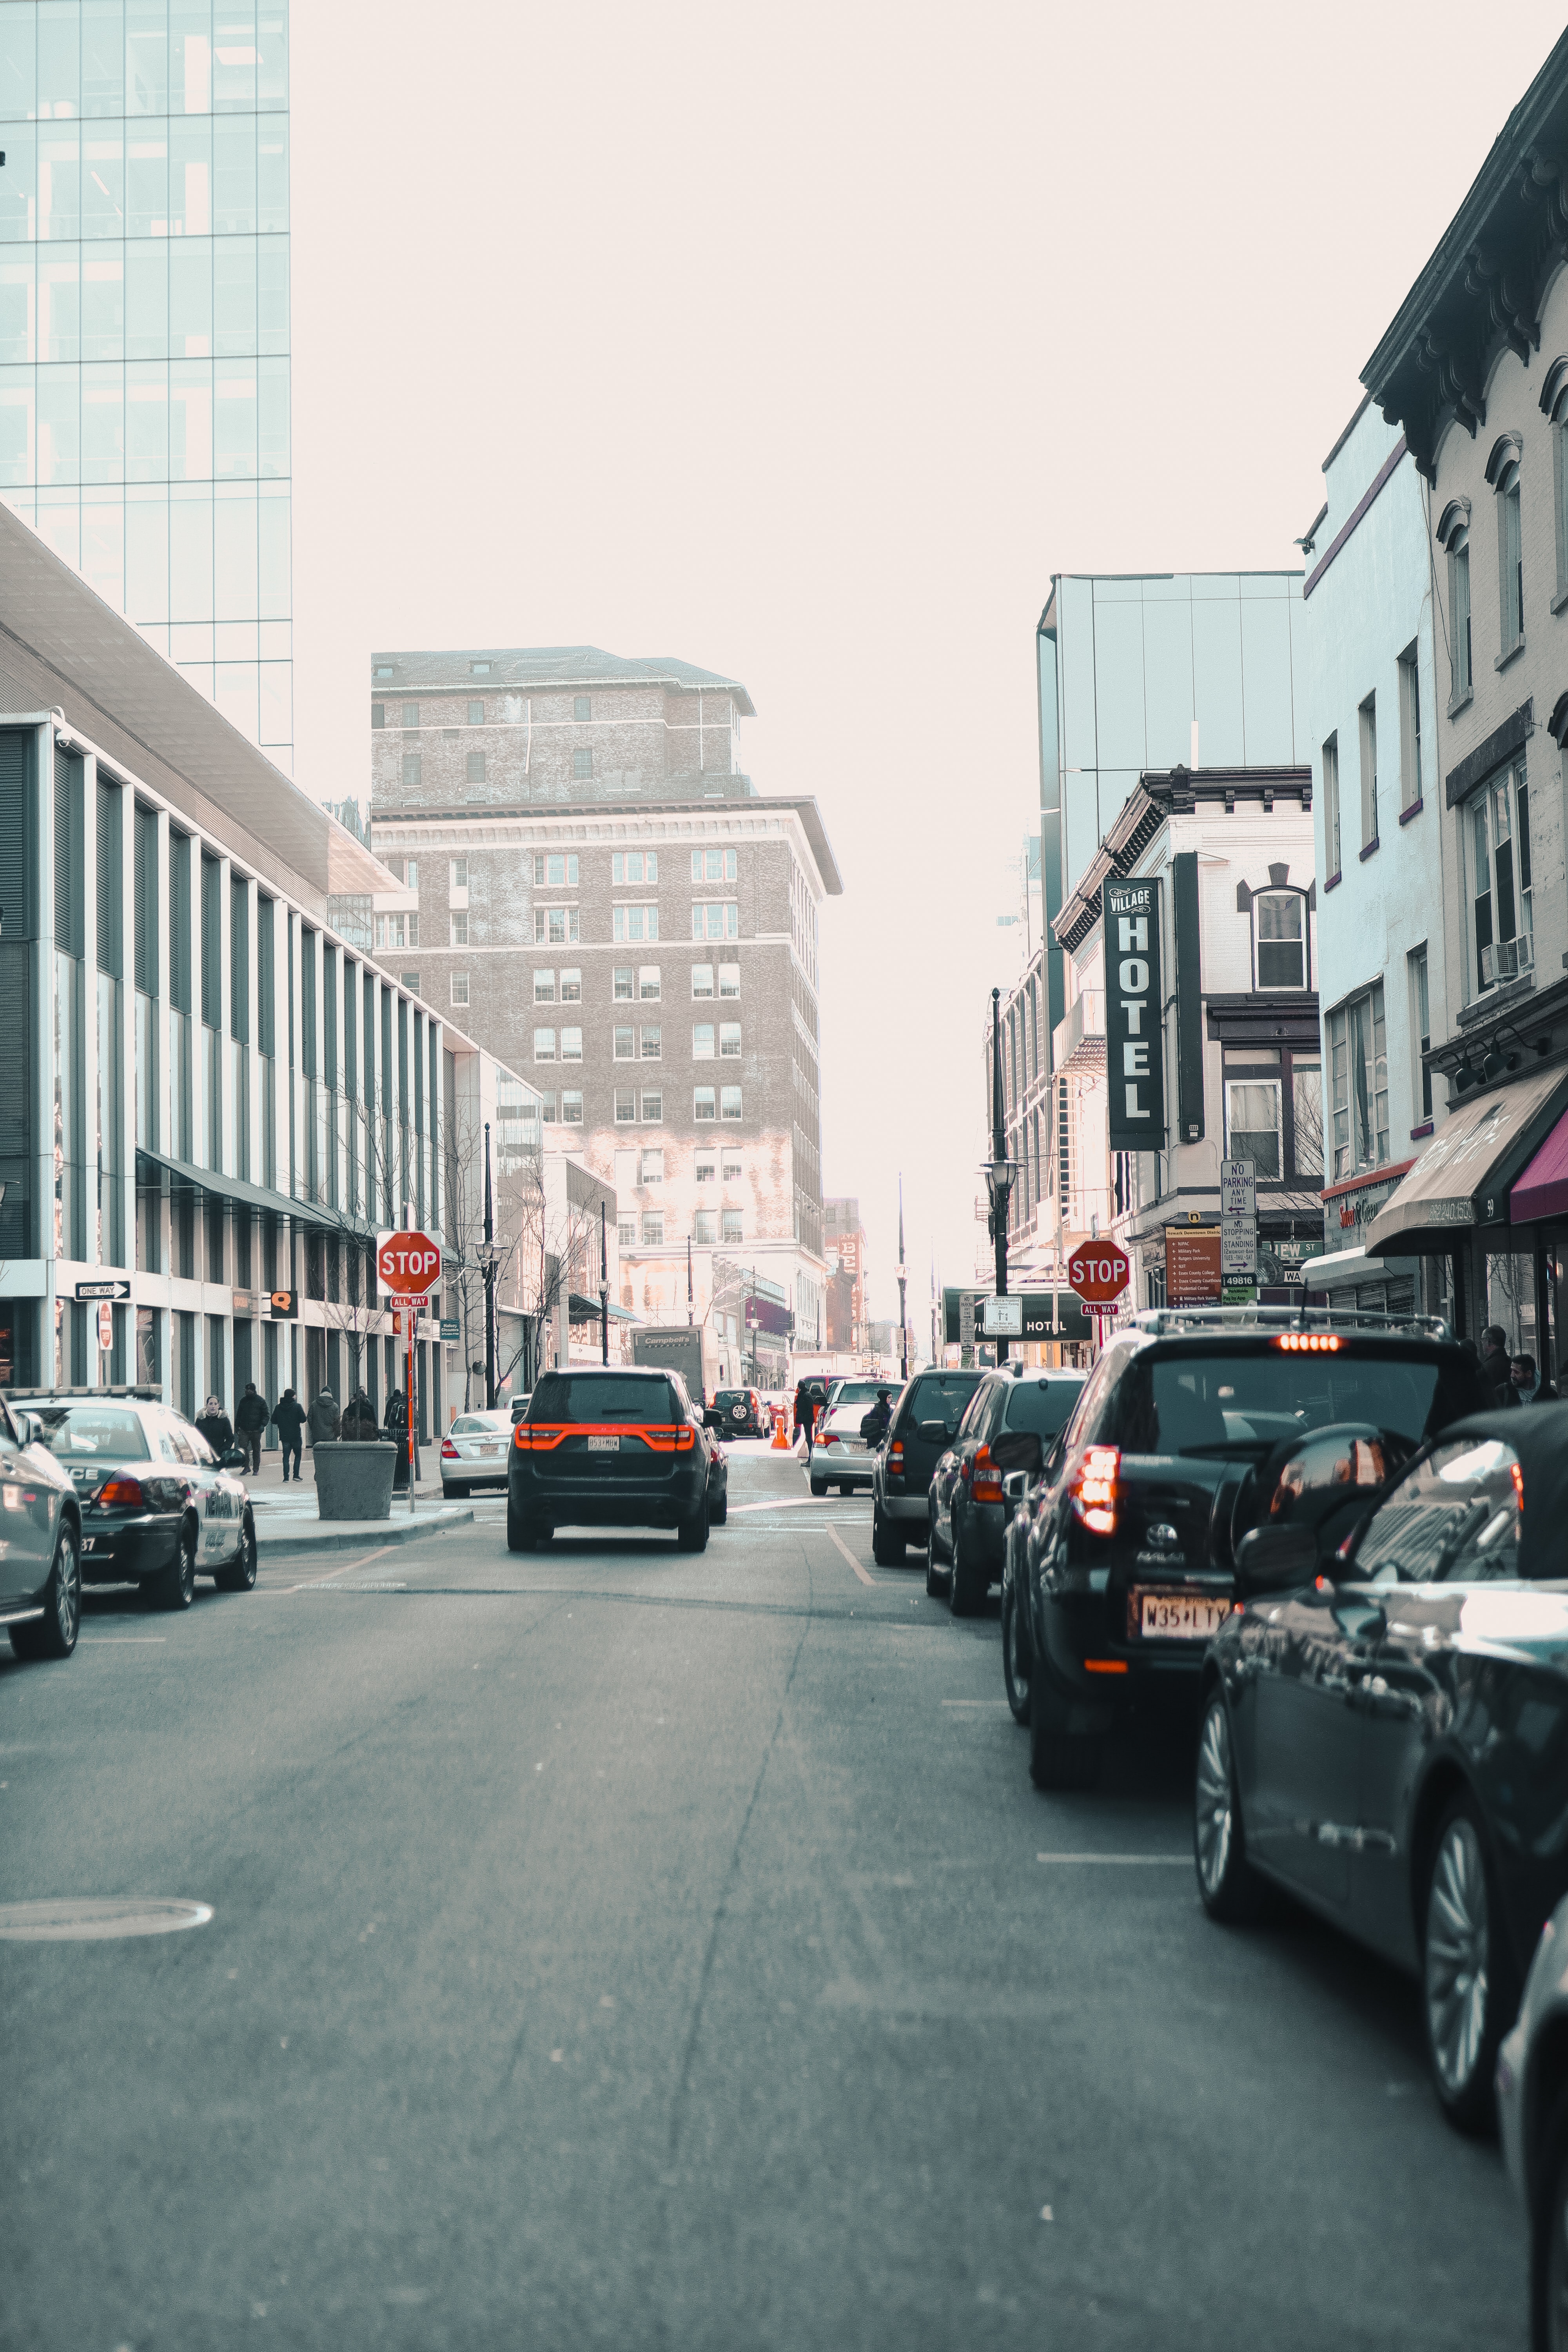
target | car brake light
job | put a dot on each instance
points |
(537, 1437)
(826, 1438)
(988, 1479)
(1309, 1343)
(122, 1495)
(449, 1451)
(1094, 1488)
(896, 1455)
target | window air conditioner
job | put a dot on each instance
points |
(1499, 962)
(1526, 947)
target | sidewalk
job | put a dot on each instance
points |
(286, 1518)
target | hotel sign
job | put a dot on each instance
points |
(1134, 1065)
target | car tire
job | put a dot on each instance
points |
(1228, 1883)
(451, 1492)
(1058, 1759)
(521, 1535)
(239, 1576)
(175, 1587)
(55, 1635)
(966, 1589)
(936, 1575)
(886, 1543)
(691, 1534)
(1468, 1993)
(1015, 1657)
(1549, 2237)
(820, 1487)
(719, 1512)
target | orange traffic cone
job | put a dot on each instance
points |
(781, 1443)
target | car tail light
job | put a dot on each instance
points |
(1309, 1343)
(537, 1436)
(1095, 1489)
(986, 1480)
(896, 1458)
(678, 1438)
(449, 1451)
(826, 1438)
(122, 1495)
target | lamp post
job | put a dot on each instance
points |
(487, 1263)
(902, 1273)
(603, 1287)
(1000, 1170)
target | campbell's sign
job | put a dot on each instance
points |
(407, 1263)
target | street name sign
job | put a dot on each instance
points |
(407, 1263)
(106, 1289)
(1099, 1272)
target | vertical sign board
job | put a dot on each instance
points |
(1238, 1227)
(1189, 997)
(1134, 1065)
(1192, 1266)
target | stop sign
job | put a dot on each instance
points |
(1099, 1271)
(408, 1263)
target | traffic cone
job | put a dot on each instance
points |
(781, 1443)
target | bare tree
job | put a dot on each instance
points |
(350, 1193)
(556, 1249)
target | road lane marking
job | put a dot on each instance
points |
(101, 1640)
(848, 1555)
(310, 1582)
(1181, 1861)
(76, 1919)
(780, 1503)
(976, 1702)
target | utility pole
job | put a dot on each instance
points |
(488, 1261)
(690, 1315)
(903, 1274)
(1000, 1171)
(603, 1287)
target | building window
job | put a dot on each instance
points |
(1511, 558)
(476, 714)
(1369, 772)
(729, 980)
(713, 865)
(701, 980)
(582, 706)
(1411, 786)
(652, 1165)
(478, 669)
(728, 1040)
(704, 1228)
(703, 1103)
(653, 1229)
(411, 714)
(625, 989)
(626, 1106)
(1332, 806)
(460, 928)
(626, 1046)
(547, 1111)
(730, 1102)
(397, 930)
(1280, 928)
(459, 872)
(702, 1041)
(1560, 484)
(632, 923)
(1358, 1078)
(412, 770)
(554, 872)
(476, 767)
(652, 1047)
(570, 1109)
(626, 1231)
(555, 926)
(732, 1225)
(1502, 896)
(1420, 1030)
(545, 1044)
(572, 985)
(731, 1171)
(1306, 1116)
(570, 1044)
(652, 1107)
(715, 918)
(385, 670)
(650, 987)
(1252, 1123)
(1460, 650)
(706, 1170)
(634, 865)
(378, 714)
(411, 982)
(544, 988)
(583, 762)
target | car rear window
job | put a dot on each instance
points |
(732, 1396)
(1454, 1519)
(602, 1396)
(1042, 1406)
(92, 1432)
(471, 1424)
(861, 1392)
(1230, 1401)
(942, 1396)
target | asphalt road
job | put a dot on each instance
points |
(616, 1948)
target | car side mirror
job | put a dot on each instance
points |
(1272, 1560)
(1013, 1486)
(1018, 1449)
(32, 1428)
(933, 1432)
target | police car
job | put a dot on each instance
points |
(158, 1508)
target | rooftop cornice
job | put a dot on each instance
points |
(1160, 795)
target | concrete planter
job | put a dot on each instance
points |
(354, 1481)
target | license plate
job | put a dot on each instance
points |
(492, 1446)
(1180, 1616)
(603, 1445)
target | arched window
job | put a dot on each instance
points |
(1280, 939)
(1454, 536)
(1511, 558)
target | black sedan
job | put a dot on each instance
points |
(1385, 1730)
(925, 1421)
(966, 1520)
(621, 1448)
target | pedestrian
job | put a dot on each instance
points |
(875, 1424)
(1530, 1386)
(215, 1426)
(359, 1423)
(394, 1421)
(250, 1418)
(1495, 1364)
(289, 1420)
(324, 1418)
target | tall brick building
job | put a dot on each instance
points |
(589, 874)
(844, 1242)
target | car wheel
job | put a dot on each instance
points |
(691, 1534)
(819, 1485)
(966, 1587)
(936, 1576)
(1226, 1878)
(886, 1543)
(717, 1509)
(1468, 1997)
(54, 1635)
(240, 1574)
(1549, 2239)
(521, 1535)
(1015, 1657)
(1058, 1759)
(175, 1587)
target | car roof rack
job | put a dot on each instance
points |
(146, 1390)
(1157, 1319)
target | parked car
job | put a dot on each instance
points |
(157, 1507)
(967, 1514)
(839, 1456)
(925, 1420)
(1385, 1721)
(474, 1452)
(519, 1406)
(41, 1563)
(619, 1447)
(741, 1411)
(718, 1481)
(1532, 2112)
(1174, 1445)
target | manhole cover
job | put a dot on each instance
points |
(85, 1919)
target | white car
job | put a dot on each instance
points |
(839, 1454)
(474, 1452)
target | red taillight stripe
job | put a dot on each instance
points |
(660, 1437)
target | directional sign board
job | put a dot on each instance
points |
(407, 1263)
(1099, 1271)
(105, 1289)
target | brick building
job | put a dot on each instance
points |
(845, 1250)
(588, 873)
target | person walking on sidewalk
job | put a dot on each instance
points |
(250, 1418)
(289, 1420)
(324, 1418)
(215, 1426)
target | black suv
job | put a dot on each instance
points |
(967, 1515)
(1179, 1437)
(924, 1421)
(612, 1448)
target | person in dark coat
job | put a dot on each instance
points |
(215, 1426)
(289, 1420)
(359, 1423)
(250, 1418)
(1495, 1363)
(1530, 1387)
(324, 1418)
(875, 1424)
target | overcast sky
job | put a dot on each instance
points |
(805, 345)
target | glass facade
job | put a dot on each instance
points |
(144, 408)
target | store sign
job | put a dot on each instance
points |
(1194, 1275)
(1133, 1064)
(282, 1302)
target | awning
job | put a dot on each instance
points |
(1463, 1178)
(1341, 1270)
(580, 1309)
(236, 1189)
(1543, 1190)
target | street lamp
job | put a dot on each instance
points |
(1001, 1171)
(487, 1266)
(603, 1287)
(902, 1273)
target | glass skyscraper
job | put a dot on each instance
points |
(145, 324)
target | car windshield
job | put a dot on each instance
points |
(1218, 1400)
(93, 1433)
(602, 1396)
(474, 1424)
(1042, 1406)
(858, 1393)
(943, 1396)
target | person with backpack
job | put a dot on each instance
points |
(289, 1420)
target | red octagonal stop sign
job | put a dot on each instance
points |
(1099, 1271)
(408, 1263)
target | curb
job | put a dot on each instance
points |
(376, 1535)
